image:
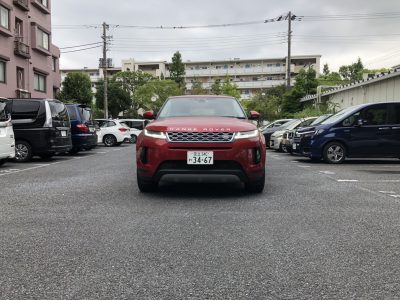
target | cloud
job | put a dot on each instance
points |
(252, 41)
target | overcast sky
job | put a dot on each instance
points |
(376, 40)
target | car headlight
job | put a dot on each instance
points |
(319, 131)
(246, 134)
(155, 134)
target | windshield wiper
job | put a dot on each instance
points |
(242, 118)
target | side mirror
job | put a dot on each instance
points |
(254, 115)
(148, 115)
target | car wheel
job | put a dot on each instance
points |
(146, 186)
(256, 186)
(334, 153)
(23, 151)
(2, 161)
(133, 139)
(284, 148)
(109, 140)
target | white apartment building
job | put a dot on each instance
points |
(250, 75)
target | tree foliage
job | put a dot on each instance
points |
(153, 94)
(353, 71)
(77, 88)
(216, 87)
(230, 89)
(177, 70)
(197, 88)
(119, 99)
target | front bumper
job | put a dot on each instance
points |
(275, 142)
(7, 151)
(160, 160)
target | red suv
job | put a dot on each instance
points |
(201, 139)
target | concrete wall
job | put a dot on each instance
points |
(40, 60)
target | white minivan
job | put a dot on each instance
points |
(7, 140)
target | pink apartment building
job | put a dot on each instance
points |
(29, 62)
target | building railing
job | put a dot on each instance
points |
(237, 71)
(24, 4)
(22, 49)
(245, 84)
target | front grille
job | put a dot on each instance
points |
(200, 137)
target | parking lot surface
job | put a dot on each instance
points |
(76, 227)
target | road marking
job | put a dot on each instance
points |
(304, 166)
(294, 161)
(327, 172)
(100, 152)
(387, 192)
(395, 196)
(27, 169)
(347, 180)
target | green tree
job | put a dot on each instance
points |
(119, 99)
(177, 70)
(230, 89)
(306, 83)
(153, 94)
(216, 87)
(77, 88)
(331, 79)
(352, 72)
(326, 70)
(197, 88)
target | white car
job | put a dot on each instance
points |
(113, 133)
(136, 126)
(7, 140)
(276, 138)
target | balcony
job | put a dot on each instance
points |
(23, 4)
(236, 71)
(21, 49)
(245, 84)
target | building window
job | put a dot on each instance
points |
(42, 39)
(4, 17)
(39, 82)
(54, 64)
(43, 2)
(20, 78)
(2, 71)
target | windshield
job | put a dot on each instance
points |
(320, 119)
(202, 106)
(289, 124)
(58, 111)
(339, 115)
(3, 112)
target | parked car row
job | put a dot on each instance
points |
(45, 127)
(362, 131)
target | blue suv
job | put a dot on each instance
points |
(362, 131)
(83, 128)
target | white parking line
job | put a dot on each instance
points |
(387, 192)
(327, 172)
(304, 166)
(347, 180)
(27, 169)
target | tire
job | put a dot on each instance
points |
(109, 140)
(23, 151)
(73, 151)
(133, 139)
(284, 149)
(2, 161)
(146, 186)
(334, 153)
(46, 156)
(257, 186)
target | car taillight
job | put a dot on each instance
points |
(122, 129)
(83, 128)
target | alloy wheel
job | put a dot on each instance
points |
(21, 152)
(335, 153)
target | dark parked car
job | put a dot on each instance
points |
(41, 127)
(363, 131)
(83, 128)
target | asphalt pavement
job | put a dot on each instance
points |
(76, 227)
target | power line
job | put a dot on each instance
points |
(77, 46)
(81, 49)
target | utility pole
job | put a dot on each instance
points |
(104, 64)
(288, 63)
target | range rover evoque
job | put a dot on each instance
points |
(201, 139)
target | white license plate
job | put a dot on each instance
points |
(294, 146)
(63, 133)
(200, 158)
(92, 129)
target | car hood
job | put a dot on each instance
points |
(201, 124)
(306, 129)
(279, 132)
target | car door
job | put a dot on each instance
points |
(369, 134)
(394, 121)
